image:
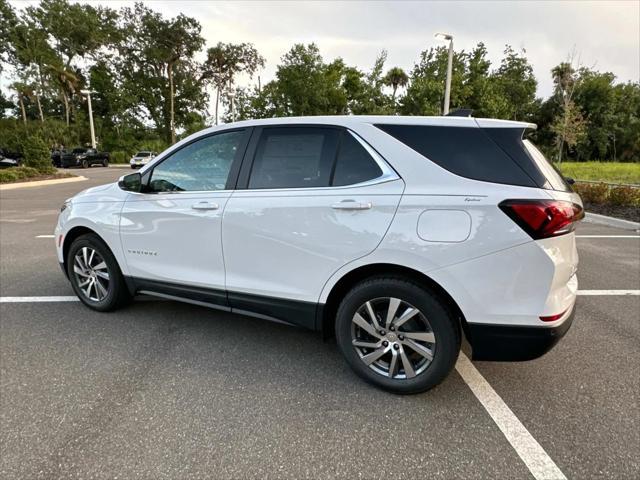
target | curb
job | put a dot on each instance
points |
(611, 221)
(41, 183)
(119, 165)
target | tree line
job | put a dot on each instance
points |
(153, 78)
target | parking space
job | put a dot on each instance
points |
(168, 390)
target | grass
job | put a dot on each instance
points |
(612, 172)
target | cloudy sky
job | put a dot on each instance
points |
(606, 34)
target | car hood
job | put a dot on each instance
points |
(110, 192)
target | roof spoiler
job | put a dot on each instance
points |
(460, 112)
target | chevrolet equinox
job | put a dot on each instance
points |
(396, 235)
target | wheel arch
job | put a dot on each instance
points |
(326, 314)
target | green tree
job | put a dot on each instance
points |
(516, 83)
(224, 62)
(8, 20)
(78, 30)
(158, 67)
(425, 94)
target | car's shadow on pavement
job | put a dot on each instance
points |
(235, 351)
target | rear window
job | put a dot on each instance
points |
(465, 151)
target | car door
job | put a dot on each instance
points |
(170, 232)
(309, 200)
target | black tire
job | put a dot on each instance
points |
(443, 322)
(85, 164)
(117, 292)
(105, 163)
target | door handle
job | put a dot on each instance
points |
(351, 205)
(205, 206)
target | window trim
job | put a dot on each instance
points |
(388, 173)
(234, 170)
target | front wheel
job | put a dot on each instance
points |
(105, 163)
(95, 275)
(397, 335)
(85, 164)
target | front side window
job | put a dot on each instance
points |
(203, 165)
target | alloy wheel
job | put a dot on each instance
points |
(92, 274)
(393, 338)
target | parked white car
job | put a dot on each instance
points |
(140, 159)
(395, 234)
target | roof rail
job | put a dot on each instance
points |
(460, 112)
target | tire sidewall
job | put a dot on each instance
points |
(115, 275)
(444, 325)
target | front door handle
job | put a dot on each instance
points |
(205, 206)
(351, 205)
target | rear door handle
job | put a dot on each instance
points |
(351, 205)
(205, 206)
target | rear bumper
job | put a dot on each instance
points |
(509, 343)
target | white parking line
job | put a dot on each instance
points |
(607, 236)
(608, 292)
(38, 299)
(45, 236)
(541, 466)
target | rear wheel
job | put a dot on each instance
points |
(105, 163)
(95, 275)
(397, 334)
(85, 164)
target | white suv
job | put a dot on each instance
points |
(395, 234)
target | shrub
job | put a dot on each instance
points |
(624, 196)
(9, 175)
(118, 157)
(36, 153)
(14, 174)
(592, 192)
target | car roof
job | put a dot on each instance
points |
(346, 120)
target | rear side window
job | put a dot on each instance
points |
(465, 151)
(296, 157)
(353, 163)
(554, 179)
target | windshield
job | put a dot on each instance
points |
(143, 154)
(553, 176)
(79, 150)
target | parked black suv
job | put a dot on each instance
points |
(84, 157)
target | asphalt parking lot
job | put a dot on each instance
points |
(169, 390)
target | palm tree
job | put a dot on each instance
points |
(23, 91)
(68, 83)
(395, 77)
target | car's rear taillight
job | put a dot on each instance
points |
(543, 218)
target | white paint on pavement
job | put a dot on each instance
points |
(45, 236)
(539, 463)
(608, 292)
(607, 236)
(38, 299)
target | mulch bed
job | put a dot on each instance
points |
(618, 211)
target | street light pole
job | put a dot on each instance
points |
(447, 85)
(93, 133)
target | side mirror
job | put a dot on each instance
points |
(570, 180)
(131, 182)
